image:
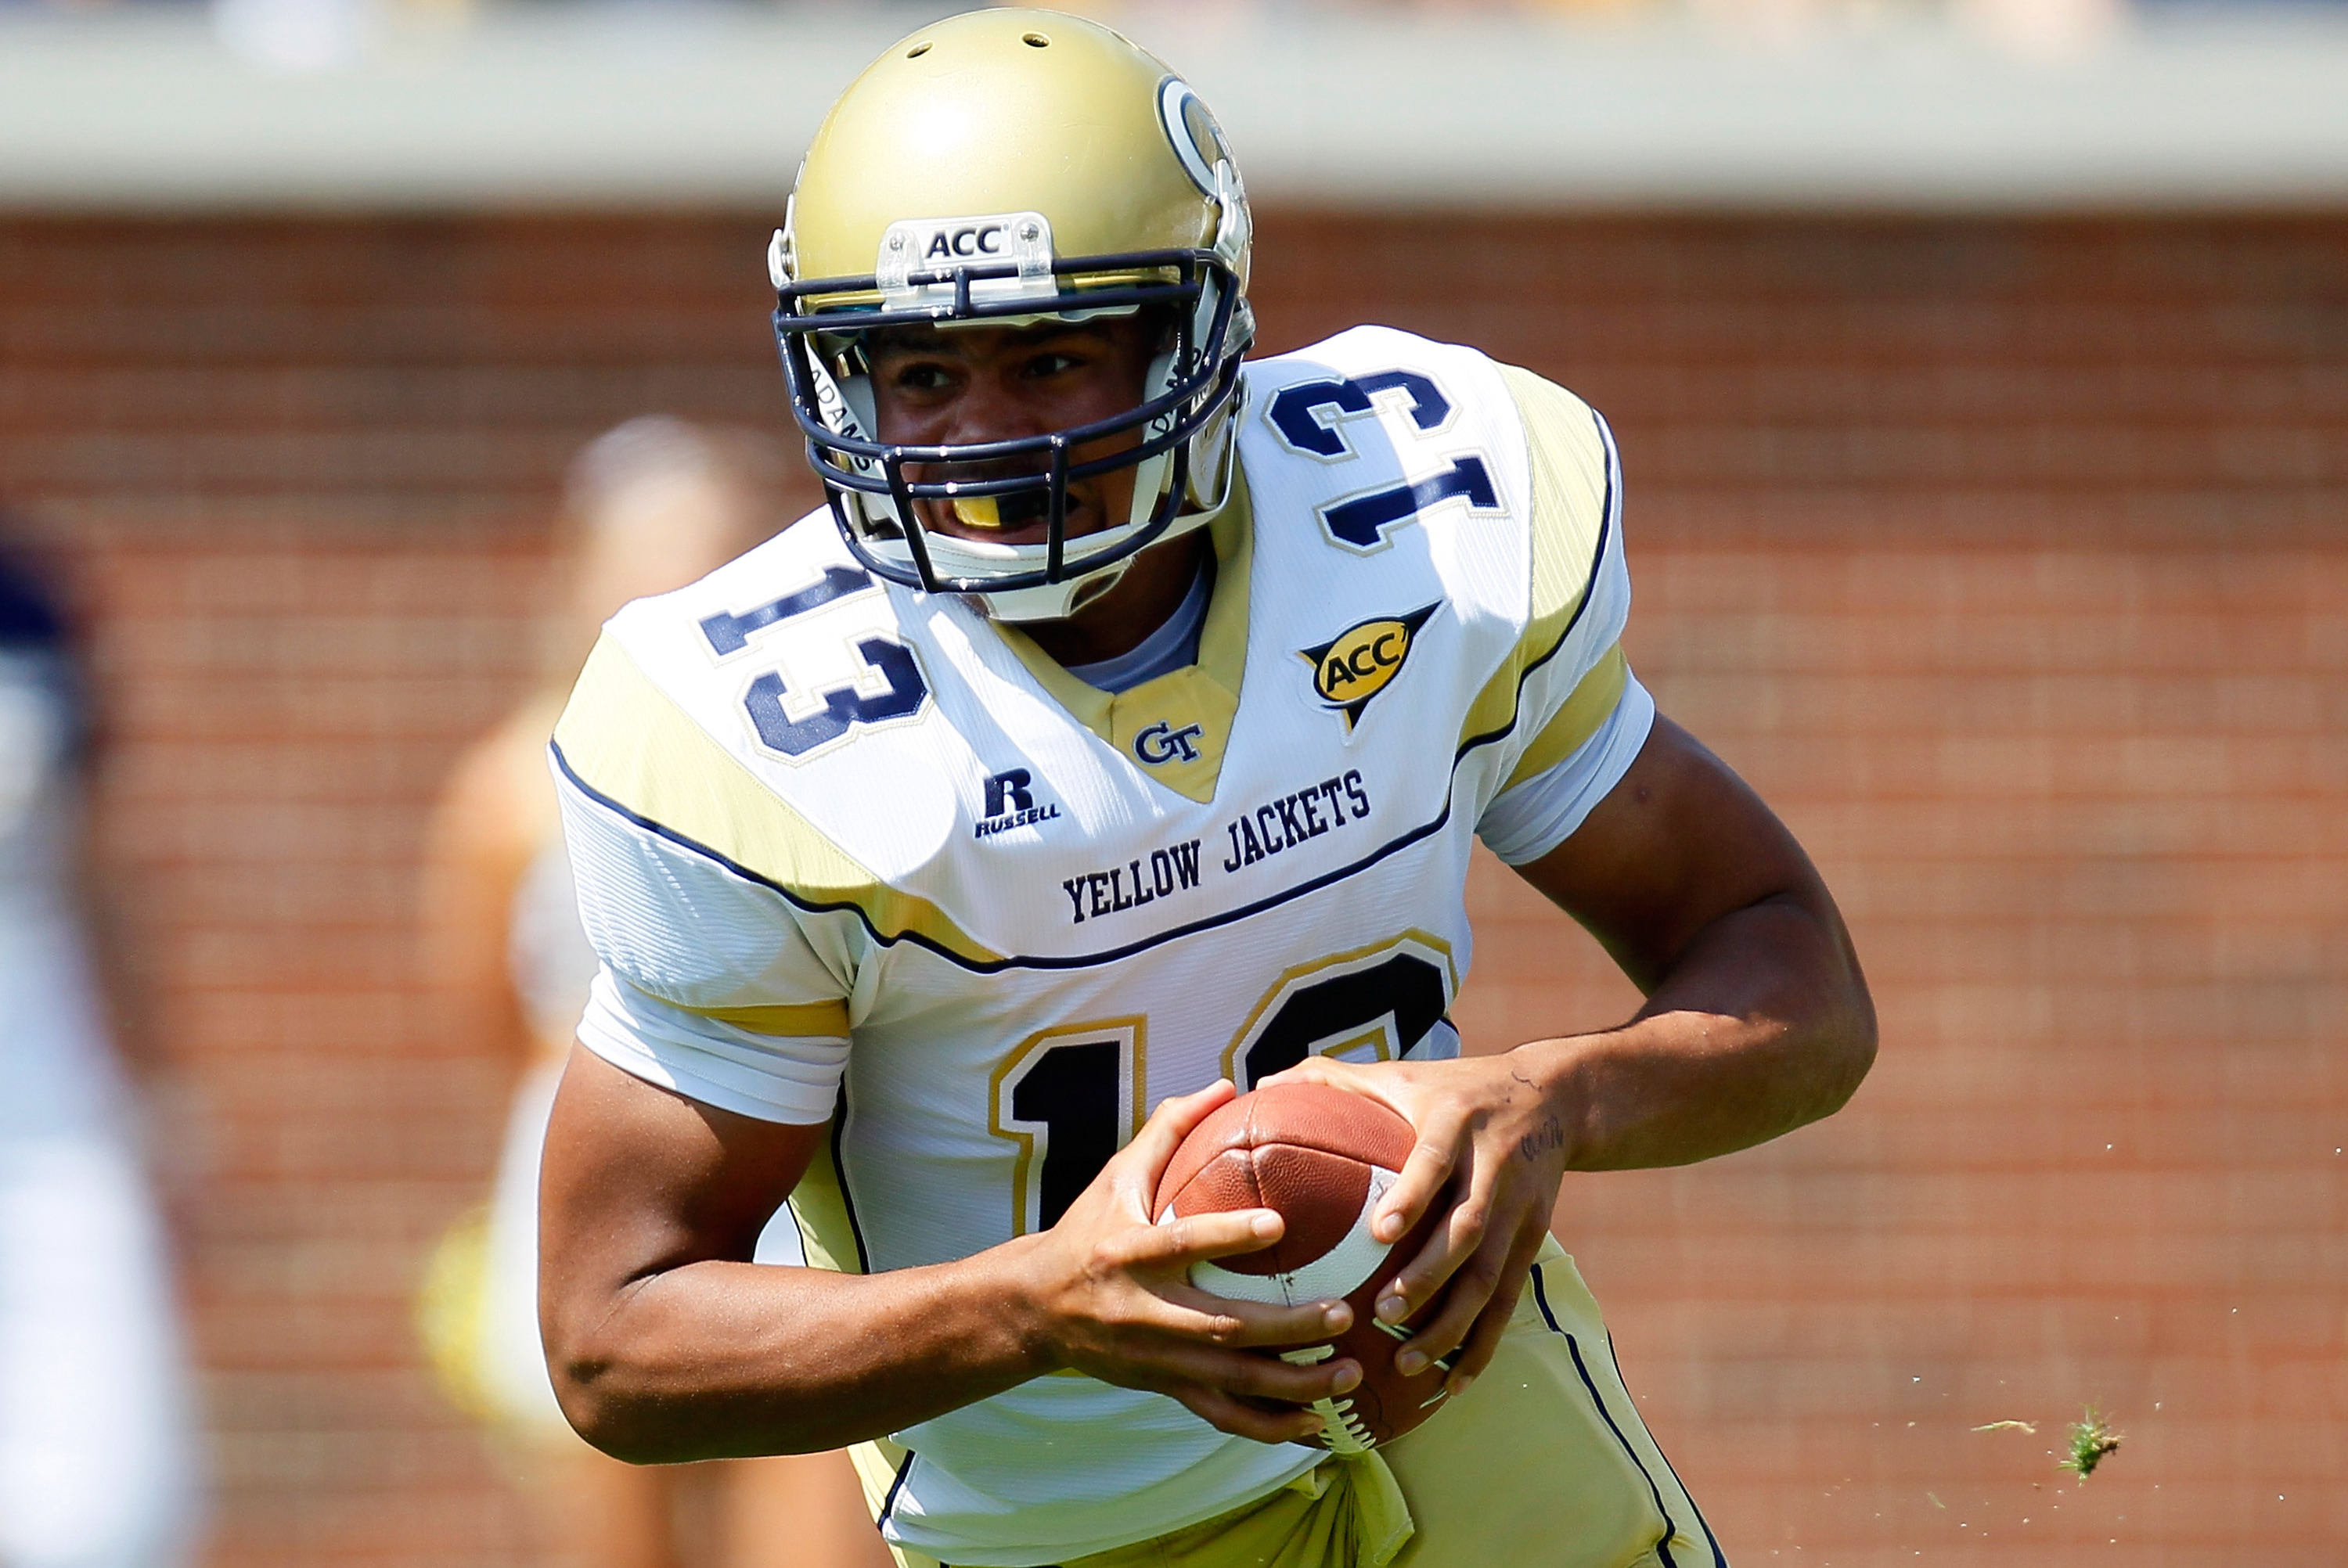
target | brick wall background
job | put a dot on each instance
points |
(2009, 561)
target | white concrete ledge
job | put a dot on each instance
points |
(669, 105)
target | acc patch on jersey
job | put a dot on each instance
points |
(1362, 660)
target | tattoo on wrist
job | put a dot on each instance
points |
(1549, 1137)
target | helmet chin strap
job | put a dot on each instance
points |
(1151, 478)
(1059, 600)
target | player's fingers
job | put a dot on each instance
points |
(1454, 1241)
(1195, 1238)
(1433, 1159)
(1297, 1379)
(1253, 1324)
(1152, 1149)
(1312, 1069)
(1471, 1287)
(1483, 1342)
(1252, 1374)
(1370, 1081)
(1242, 1419)
(1134, 1171)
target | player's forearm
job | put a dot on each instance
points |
(728, 1359)
(1762, 1024)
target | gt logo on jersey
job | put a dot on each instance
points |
(1362, 660)
(1161, 742)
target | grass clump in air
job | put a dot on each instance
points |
(2092, 1441)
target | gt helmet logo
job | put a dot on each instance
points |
(1198, 140)
(1362, 660)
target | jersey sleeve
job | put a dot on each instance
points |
(711, 984)
(1533, 817)
(1568, 714)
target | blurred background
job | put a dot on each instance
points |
(1981, 370)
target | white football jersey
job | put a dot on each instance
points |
(852, 852)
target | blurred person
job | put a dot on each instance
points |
(97, 1467)
(651, 506)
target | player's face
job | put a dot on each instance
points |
(968, 385)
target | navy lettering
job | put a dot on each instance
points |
(1296, 412)
(1272, 843)
(1172, 869)
(1017, 819)
(1313, 826)
(843, 706)
(1363, 521)
(731, 633)
(1290, 820)
(1009, 789)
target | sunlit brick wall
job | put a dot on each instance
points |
(2008, 561)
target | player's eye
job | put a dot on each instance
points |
(921, 375)
(1055, 362)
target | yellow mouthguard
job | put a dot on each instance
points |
(978, 511)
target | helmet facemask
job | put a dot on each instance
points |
(999, 270)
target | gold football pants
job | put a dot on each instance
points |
(1544, 1461)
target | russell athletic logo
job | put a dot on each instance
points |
(1362, 660)
(1011, 803)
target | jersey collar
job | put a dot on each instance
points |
(1174, 729)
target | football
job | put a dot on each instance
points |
(1322, 1158)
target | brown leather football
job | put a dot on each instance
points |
(1322, 1158)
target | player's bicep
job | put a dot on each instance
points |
(637, 1180)
(1679, 842)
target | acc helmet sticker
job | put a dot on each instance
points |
(1362, 660)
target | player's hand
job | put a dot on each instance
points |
(1116, 1302)
(1490, 1140)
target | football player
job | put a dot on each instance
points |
(1122, 746)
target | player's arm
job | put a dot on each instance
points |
(666, 1343)
(1757, 1021)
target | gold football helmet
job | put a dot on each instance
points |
(1008, 167)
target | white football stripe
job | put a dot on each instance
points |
(1338, 1272)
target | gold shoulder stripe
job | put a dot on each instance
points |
(1570, 497)
(827, 1020)
(624, 739)
(1578, 719)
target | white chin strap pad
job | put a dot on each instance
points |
(1053, 600)
(1059, 600)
